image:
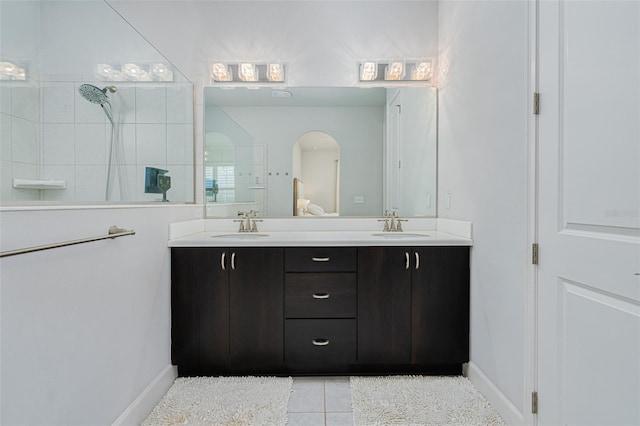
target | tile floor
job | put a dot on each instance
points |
(320, 401)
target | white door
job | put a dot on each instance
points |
(589, 223)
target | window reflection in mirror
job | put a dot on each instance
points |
(387, 150)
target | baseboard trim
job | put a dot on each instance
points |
(510, 414)
(140, 408)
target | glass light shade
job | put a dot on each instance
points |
(144, 76)
(368, 71)
(161, 72)
(20, 74)
(132, 70)
(248, 72)
(421, 71)
(275, 72)
(8, 68)
(104, 71)
(220, 72)
(394, 71)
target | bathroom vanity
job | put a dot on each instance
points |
(318, 302)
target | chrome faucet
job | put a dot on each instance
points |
(248, 223)
(391, 222)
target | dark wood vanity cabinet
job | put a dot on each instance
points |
(440, 305)
(413, 305)
(227, 308)
(325, 310)
(320, 309)
(199, 307)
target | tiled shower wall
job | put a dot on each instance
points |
(154, 123)
(19, 138)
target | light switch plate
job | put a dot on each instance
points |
(358, 199)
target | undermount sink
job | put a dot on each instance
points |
(399, 235)
(241, 236)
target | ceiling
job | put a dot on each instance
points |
(320, 42)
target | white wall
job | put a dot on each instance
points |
(85, 328)
(360, 150)
(483, 163)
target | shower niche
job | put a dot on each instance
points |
(86, 123)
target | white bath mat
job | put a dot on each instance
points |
(420, 400)
(224, 401)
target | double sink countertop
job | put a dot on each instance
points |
(325, 232)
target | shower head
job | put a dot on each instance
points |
(94, 94)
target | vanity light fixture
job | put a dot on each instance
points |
(221, 72)
(394, 71)
(134, 72)
(368, 71)
(247, 72)
(421, 71)
(161, 72)
(400, 71)
(11, 71)
(276, 73)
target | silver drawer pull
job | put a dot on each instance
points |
(406, 256)
(417, 260)
(233, 260)
(320, 342)
(321, 295)
(320, 259)
(222, 260)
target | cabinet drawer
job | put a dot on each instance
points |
(320, 259)
(314, 341)
(320, 295)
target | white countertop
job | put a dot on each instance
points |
(319, 238)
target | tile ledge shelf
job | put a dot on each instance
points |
(39, 184)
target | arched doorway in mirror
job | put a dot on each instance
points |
(316, 172)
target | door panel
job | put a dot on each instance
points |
(384, 305)
(440, 305)
(589, 226)
(256, 302)
(199, 307)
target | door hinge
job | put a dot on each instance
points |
(536, 103)
(534, 253)
(534, 402)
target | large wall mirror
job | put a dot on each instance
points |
(320, 151)
(90, 112)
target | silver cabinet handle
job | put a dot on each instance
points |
(320, 259)
(406, 255)
(320, 342)
(417, 260)
(321, 295)
(222, 261)
(233, 260)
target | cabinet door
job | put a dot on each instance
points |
(440, 311)
(256, 301)
(199, 307)
(384, 305)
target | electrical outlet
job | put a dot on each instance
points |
(358, 199)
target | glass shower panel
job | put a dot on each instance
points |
(92, 145)
(229, 164)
